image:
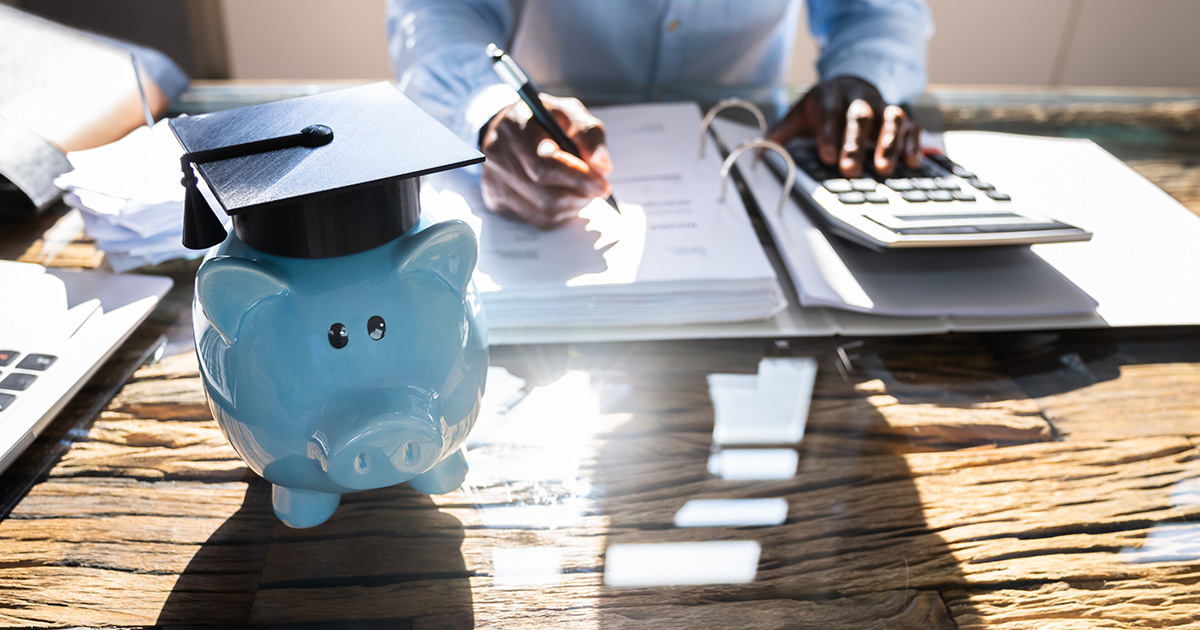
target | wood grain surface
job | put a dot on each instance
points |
(990, 481)
(931, 493)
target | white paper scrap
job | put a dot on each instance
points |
(531, 566)
(769, 408)
(754, 463)
(682, 563)
(732, 513)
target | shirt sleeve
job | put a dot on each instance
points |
(438, 50)
(880, 41)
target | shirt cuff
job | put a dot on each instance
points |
(483, 106)
(897, 82)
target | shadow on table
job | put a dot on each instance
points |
(1040, 363)
(388, 558)
(854, 550)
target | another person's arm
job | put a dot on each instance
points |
(872, 60)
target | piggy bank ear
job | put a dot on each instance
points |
(445, 249)
(228, 288)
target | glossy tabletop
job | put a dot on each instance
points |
(1044, 479)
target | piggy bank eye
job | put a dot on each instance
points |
(376, 327)
(338, 337)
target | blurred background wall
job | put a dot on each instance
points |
(1127, 43)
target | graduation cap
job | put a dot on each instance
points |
(317, 176)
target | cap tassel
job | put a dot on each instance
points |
(201, 227)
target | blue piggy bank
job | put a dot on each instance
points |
(348, 373)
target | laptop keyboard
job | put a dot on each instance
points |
(17, 379)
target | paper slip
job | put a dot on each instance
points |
(732, 513)
(129, 195)
(770, 407)
(682, 563)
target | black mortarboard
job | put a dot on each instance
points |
(316, 176)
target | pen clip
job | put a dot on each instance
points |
(137, 73)
(725, 104)
(765, 144)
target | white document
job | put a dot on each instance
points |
(676, 254)
(129, 195)
(1143, 262)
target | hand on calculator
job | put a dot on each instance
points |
(848, 117)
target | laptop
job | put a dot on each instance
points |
(57, 328)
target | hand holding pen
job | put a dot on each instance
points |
(546, 156)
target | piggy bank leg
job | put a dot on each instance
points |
(301, 508)
(445, 476)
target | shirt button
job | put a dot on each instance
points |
(672, 26)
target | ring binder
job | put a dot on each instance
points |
(766, 144)
(725, 104)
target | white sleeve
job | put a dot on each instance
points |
(438, 53)
(881, 41)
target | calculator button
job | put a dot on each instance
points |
(998, 196)
(874, 197)
(38, 362)
(980, 184)
(941, 195)
(963, 196)
(7, 356)
(947, 184)
(17, 382)
(915, 196)
(6, 401)
(852, 198)
(899, 185)
(863, 184)
(838, 186)
(925, 183)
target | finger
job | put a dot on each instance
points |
(912, 153)
(534, 202)
(586, 131)
(547, 165)
(506, 200)
(545, 208)
(859, 120)
(799, 122)
(892, 138)
(831, 122)
(558, 168)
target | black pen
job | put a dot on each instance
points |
(516, 78)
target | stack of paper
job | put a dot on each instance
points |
(676, 254)
(130, 197)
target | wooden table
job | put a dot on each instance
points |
(1009, 480)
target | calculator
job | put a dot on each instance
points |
(939, 204)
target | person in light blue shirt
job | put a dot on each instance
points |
(872, 59)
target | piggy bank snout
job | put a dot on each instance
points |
(387, 450)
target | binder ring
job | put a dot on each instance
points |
(725, 104)
(765, 144)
